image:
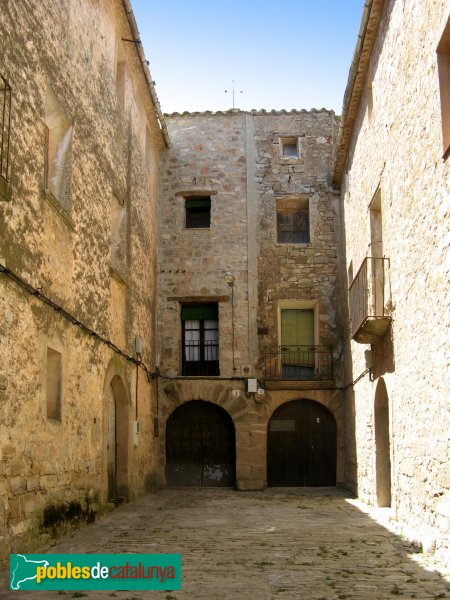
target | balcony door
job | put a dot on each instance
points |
(297, 341)
(200, 339)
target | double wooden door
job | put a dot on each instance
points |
(301, 445)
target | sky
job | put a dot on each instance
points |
(282, 54)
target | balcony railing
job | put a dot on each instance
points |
(5, 126)
(299, 363)
(368, 295)
(201, 358)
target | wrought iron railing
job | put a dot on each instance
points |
(200, 358)
(299, 363)
(367, 292)
(5, 127)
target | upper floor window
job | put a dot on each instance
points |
(5, 127)
(54, 384)
(58, 139)
(121, 75)
(293, 221)
(289, 147)
(443, 54)
(148, 150)
(198, 212)
(200, 350)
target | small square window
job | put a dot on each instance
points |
(198, 212)
(289, 147)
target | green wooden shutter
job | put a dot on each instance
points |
(198, 203)
(297, 327)
(199, 312)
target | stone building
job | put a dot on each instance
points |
(249, 335)
(392, 165)
(81, 131)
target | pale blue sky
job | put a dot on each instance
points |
(281, 54)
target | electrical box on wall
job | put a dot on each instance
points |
(135, 433)
(252, 386)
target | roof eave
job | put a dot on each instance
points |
(355, 85)
(150, 84)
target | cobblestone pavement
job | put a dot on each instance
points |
(306, 544)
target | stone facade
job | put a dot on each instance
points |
(236, 159)
(78, 256)
(395, 186)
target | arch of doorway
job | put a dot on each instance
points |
(117, 398)
(382, 445)
(301, 445)
(332, 400)
(200, 446)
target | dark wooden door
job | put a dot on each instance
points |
(301, 445)
(200, 446)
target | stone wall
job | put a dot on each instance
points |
(53, 471)
(395, 160)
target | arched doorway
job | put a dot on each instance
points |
(200, 446)
(301, 445)
(117, 446)
(382, 446)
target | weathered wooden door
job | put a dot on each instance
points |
(200, 446)
(301, 445)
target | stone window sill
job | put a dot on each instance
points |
(58, 208)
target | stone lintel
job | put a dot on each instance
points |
(198, 299)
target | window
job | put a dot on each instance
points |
(121, 75)
(58, 138)
(297, 344)
(148, 150)
(118, 234)
(198, 212)
(5, 125)
(200, 339)
(289, 147)
(443, 54)
(54, 381)
(293, 221)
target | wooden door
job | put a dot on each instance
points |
(301, 445)
(200, 446)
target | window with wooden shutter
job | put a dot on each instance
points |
(293, 221)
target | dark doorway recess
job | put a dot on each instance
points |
(200, 446)
(301, 445)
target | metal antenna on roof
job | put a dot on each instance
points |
(233, 91)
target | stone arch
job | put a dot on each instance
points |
(301, 445)
(117, 406)
(382, 445)
(177, 393)
(200, 446)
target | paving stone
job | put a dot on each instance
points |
(302, 543)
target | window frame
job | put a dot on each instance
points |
(189, 212)
(5, 130)
(201, 367)
(443, 63)
(296, 207)
(289, 141)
